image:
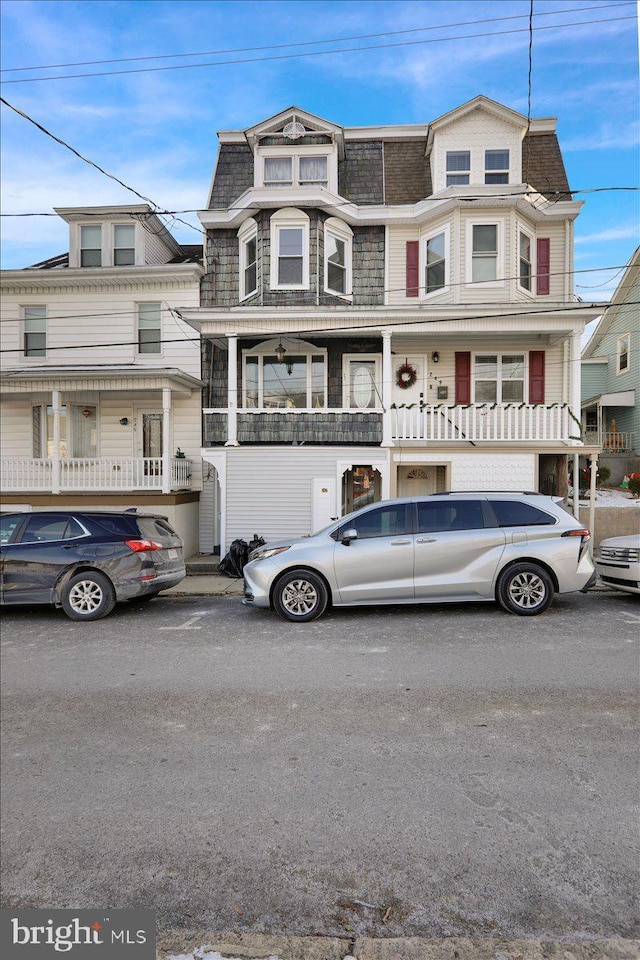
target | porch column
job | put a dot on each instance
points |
(576, 485)
(575, 370)
(55, 459)
(592, 498)
(232, 391)
(166, 436)
(387, 380)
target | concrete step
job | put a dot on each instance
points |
(202, 564)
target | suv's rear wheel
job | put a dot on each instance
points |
(88, 596)
(300, 596)
(525, 589)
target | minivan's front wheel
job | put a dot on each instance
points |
(525, 589)
(88, 596)
(300, 596)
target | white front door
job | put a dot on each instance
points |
(323, 507)
(417, 481)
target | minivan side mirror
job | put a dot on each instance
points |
(349, 535)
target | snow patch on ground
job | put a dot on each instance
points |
(611, 497)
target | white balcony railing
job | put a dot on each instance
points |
(612, 441)
(89, 474)
(484, 422)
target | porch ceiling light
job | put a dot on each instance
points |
(280, 352)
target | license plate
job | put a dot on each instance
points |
(173, 554)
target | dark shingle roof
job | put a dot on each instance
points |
(407, 175)
(62, 260)
(541, 155)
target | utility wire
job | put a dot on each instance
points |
(91, 163)
(253, 331)
(308, 43)
(318, 53)
(530, 84)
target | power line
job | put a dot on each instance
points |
(91, 163)
(317, 53)
(386, 290)
(251, 331)
(307, 43)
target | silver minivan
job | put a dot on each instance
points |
(517, 548)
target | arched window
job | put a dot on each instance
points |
(284, 374)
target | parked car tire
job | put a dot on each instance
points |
(88, 596)
(525, 589)
(300, 595)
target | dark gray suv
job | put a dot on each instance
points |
(517, 548)
(85, 561)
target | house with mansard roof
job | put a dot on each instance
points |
(386, 311)
(100, 390)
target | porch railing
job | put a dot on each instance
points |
(483, 422)
(616, 441)
(90, 474)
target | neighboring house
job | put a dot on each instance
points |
(100, 379)
(386, 313)
(611, 379)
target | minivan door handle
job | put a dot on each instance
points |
(399, 543)
(426, 539)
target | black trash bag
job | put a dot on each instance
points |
(233, 562)
(256, 542)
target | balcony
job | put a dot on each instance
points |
(612, 441)
(440, 423)
(93, 475)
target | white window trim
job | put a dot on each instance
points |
(113, 248)
(488, 284)
(327, 150)
(456, 173)
(294, 348)
(500, 354)
(104, 245)
(248, 231)
(532, 240)
(138, 354)
(347, 359)
(340, 231)
(23, 330)
(289, 218)
(424, 239)
(107, 248)
(506, 169)
(626, 369)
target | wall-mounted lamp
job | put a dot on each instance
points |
(124, 421)
(435, 356)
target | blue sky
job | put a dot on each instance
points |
(156, 130)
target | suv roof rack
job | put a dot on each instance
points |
(462, 493)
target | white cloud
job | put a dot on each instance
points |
(627, 232)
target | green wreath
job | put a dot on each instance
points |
(406, 376)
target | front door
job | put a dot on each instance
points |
(420, 481)
(324, 503)
(415, 390)
(150, 442)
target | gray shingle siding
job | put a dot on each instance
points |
(360, 174)
(407, 173)
(317, 429)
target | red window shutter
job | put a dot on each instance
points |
(543, 265)
(463, 377)
(536, 376)
(413, 267)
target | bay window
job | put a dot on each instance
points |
(338, 238)
(525, 261)
(289, 250)
(436, 267)
(248, 240)
(485, 254)
(499, 378)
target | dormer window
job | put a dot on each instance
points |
(496, 166)
(295, 171)
(91, 246)
(124, 252)
(458, 167)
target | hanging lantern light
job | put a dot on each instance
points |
(280, 352)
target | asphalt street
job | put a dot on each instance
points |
(407, 771)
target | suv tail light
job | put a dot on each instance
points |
(139, 546)
(584, 533)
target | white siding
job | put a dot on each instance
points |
(477, 131)
(481, 471)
